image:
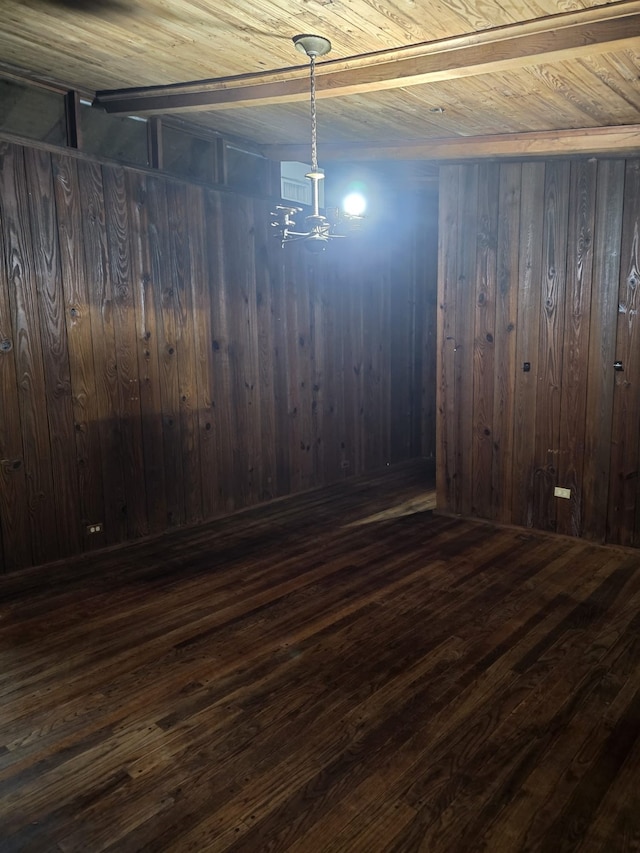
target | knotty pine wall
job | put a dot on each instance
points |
(164, 361)
(540, 263)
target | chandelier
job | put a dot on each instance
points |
(317, 229)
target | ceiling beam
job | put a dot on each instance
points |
(551, 39)
(591, 140)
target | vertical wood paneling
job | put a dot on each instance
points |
(126, 349)
(179, 363)
(575, 364)
(602, 343)
(568, 273)
(266, 280)
(550, 350)
(505, 344)
(201, 325)
(463, 373)
(82, 372)
(243, 402)
(484, 297)
(625, 434)
(386, 267)
(55, 350)
(526, 383)
(331, 403)
(14, 507)
(317, 308)
(166, 335)
(144, 286)
(280, 373)
(448, 236)
(355, 365)
(427, 247)
(301, 354)
(28, 354)
(373, 331)
(222, 412)
(344, 365)
(401, 357)
(104, 351)
(185, 334)
(294, 343)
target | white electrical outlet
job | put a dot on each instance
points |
(94, 528)
(559, 492)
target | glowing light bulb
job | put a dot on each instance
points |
(355, 204)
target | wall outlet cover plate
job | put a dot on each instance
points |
(559, 492)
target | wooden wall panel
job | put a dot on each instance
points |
(220, 370)
(602, 343)
(550, 342)
(266, 272)
(14, 506)
(568, 270)
(122, 309)
(317, 306)
(330, 402)
(185, 341)
(77, 299)
(356, 333)
(101, 309)
(163, 360)
(427, 311)
(575, 365)
(528, 285)
(625, 434)
(279, 356)
(166, 335)
(373, 367)
(505, 366)
(399, 366)
(24, 308)
(201, 326)
(299, 350)
(55, 354)
(484, 332)
(344, 367)
(448, 238)
(463, 349)
(144, 285)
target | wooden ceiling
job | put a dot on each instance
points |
(406, 79)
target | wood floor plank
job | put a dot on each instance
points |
(291, 678)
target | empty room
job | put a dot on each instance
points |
(319, 426)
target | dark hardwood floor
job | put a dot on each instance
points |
(294, 679)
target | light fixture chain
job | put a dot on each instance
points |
(314, 142)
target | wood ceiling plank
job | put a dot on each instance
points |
(553, 39)
(585, 92)
(620, 74)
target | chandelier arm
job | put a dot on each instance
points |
(298, 235)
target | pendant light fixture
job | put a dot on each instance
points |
(317, 229)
